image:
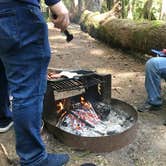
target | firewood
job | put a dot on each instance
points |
(4, 161)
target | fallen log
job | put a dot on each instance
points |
(138, 36)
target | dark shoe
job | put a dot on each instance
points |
(148, 107)
(5, 125)
(55, 160)
(88, 164)
(164, 123)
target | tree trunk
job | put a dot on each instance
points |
(130, 9)
(93, 5)
(123, 8)
(110, 3)
(76, 7)
(74, 12)
(163, 10)
(147, 10)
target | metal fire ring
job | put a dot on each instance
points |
(93, 144)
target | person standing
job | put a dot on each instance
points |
(24, 58)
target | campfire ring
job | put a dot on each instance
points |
(96, 144)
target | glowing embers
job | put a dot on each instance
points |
(91, 119)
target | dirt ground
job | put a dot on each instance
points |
(84, 52)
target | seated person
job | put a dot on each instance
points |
(155, 70)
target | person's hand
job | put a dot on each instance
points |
(60, 16)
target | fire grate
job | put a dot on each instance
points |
(76, 83)
(66, 85)
(82, 79)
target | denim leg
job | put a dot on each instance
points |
(29, 144)
(155, 70)
(5, 112)
(26, 62)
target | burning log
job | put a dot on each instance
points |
(61, 119)
(102, 109)
(82, 120)
(62, 112)
(83, 112)
(87, 123)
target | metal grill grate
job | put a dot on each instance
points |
(66, 84)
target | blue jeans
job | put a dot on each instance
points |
(24, 58)
(5, 113)
(155, 71)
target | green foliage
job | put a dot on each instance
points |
(138, 8)
(139, 5)
(156, 8)
(104, 7)
(67, 3)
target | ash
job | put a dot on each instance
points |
(107, 121)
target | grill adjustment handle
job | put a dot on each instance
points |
(68, 35)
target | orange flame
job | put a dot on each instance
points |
(85, 104)
(60, 107)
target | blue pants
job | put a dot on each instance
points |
(24, 58)
(155, 71)
(5, 113)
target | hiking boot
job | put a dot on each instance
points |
(148, 107)
(55, 160)
(5, 124)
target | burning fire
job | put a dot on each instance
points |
(84, 103)
(79, 114)
(81, 118)
(60, 107)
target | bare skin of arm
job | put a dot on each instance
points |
(62, 16)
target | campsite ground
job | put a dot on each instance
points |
(149, 146)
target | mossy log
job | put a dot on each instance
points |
(139, 36)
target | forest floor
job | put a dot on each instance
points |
(149, 146)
